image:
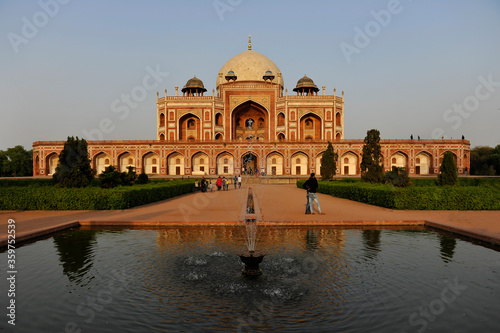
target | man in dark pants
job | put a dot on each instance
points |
(311, 185)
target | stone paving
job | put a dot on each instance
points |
(275, 204)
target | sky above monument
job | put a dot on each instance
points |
(92, 68)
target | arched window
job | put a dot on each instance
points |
(297, 161)
(261, 122)
(418, 160)
(202, 161)
(130, 161)
(218, 119)
(281, 137)
(154, 160)
(177, 161)
(226, 161)
(162, 120)
(281, 119)
(309, 138)
(273, 161)
(393, 160)
(191, 124)
(346, 160)
(106, 161)
(309, 124)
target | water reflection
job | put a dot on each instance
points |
(371, 241)
(76, 252)
(447, 246)
(312, 239)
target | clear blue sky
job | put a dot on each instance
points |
(63, 66)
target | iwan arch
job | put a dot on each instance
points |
(251, 121)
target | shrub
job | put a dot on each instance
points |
(129, 177)
(142, 179)
(90, 198)
(397, 177)
(485, 197)
(110, 177)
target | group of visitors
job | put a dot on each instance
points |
(203, 185)
(221, 183)
(311, 185)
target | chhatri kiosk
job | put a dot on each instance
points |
(251, 121)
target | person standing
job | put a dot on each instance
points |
(203, 184)
(235, 180)
(239, 181)
(224, 184)
(219, 183)
(311, 185)
(210, 186)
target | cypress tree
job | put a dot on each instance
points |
(448, 170)
(329, 163)
(73, 169)
(371, 167)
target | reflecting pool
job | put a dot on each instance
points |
(314, 280)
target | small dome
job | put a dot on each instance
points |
(194, 83)
(268, 75)
(304, 83)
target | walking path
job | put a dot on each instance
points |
(275, 205)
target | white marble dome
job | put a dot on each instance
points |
(249, 66)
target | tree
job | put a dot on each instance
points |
(478, 157)
(3, 163)
(448, 170)
(329, 163)
(371, 167)
(17, 162)
(73, 169)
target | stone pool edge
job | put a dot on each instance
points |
(42, 232)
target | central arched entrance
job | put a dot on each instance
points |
(250, 122)
(249, 163)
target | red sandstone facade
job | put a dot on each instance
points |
(251, 122)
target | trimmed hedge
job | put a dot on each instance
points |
(26, 182)
(90, 198)
(463, 181)
(416, 197)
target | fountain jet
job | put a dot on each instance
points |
(251, 257)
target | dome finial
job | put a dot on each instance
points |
(249, 42)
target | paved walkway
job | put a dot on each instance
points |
(275, 204)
